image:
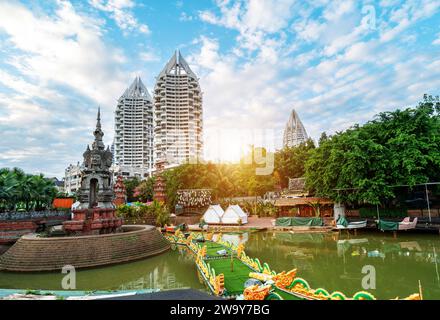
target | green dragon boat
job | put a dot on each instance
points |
(225, 268)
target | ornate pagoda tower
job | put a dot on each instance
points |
(95, 213)
(159, 184)
(120, 192)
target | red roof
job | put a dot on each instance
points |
(63, 203)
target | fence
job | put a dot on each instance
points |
(34, 215)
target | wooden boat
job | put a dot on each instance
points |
(343, 224)
(353, 225)
(405, 224)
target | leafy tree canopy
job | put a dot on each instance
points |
(363, 163)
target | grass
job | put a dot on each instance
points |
(234, 280)
(212, 248)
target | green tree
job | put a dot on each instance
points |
(363, 163)
(130, 186)
(19, 190)
(145, 190)
(290, 161)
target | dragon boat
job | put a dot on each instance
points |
(225, 268)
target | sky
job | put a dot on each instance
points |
(337, 63)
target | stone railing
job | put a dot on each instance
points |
(34, 215)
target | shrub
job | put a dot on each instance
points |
(125, 211)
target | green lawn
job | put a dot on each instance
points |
(212, 248)
(234, 280)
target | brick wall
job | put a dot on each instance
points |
(31, 253)
(11, 231)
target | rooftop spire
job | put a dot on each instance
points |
(98, 144)
(98, 119)
(137, 89)
(177, 62)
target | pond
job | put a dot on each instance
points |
(329, 261)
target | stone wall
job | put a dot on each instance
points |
(13, 225)
(31, 253)
(11, 231)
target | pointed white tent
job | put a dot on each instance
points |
(213, 214)
(233, 215)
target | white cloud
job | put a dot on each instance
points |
(149, 56)
(254, 19)
(407, 15)
(59, 69)
(120, 11)
(65, 49)
(185, 17)
(437, 41)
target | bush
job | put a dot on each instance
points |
(160, 211)
(125, 211)
(139, 211)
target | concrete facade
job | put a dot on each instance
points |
(178, 114)
(72, 179)
(294, 133)
(133, 143)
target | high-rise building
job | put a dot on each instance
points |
(178, 114)
(133, 144)
(72, 179)
(294, 133)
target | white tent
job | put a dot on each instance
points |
(213, 214)
(233, 215)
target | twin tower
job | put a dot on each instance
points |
(166, 128)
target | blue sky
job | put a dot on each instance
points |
(336, 62)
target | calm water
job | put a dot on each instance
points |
(324, 260)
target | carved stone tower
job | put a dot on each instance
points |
(96, 211)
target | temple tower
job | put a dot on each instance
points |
(95, 212)
(159, 188)
(120, 192)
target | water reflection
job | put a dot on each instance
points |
(335, 262)
(325, 260)
(170, 270)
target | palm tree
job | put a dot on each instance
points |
(43, 191)
(18, 188)
(8, 183)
